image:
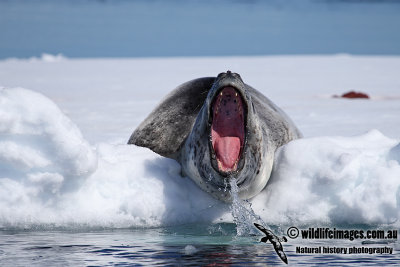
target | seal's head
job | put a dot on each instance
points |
(226, 140)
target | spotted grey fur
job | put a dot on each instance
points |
(179, 128)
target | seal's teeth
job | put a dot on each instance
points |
(235, 166)
(219, 164)
(221, 94)
(218, 104)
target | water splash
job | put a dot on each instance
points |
(243, 215)
(245, 219)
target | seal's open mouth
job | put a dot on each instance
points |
(228, 129)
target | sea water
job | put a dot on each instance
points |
(183, 245)
(141, 28)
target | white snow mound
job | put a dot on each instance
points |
(335, 180)
(42, 153)
(50, 177)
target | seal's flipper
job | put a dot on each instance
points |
(168, 125)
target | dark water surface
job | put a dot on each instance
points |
(141, 28)
(189, 245)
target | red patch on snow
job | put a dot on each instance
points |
(353, 94)
(227, 130)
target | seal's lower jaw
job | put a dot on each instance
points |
(227, 130)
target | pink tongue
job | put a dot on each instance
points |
(227, 150)
(227, 130)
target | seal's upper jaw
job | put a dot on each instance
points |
(229, 78)
(228, 124)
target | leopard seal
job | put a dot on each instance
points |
(218, 128)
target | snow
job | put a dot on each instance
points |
(336, 180)
(64, 161)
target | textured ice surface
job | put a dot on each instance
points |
(52, 175)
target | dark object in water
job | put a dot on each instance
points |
(353, 94)
(275, 241)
